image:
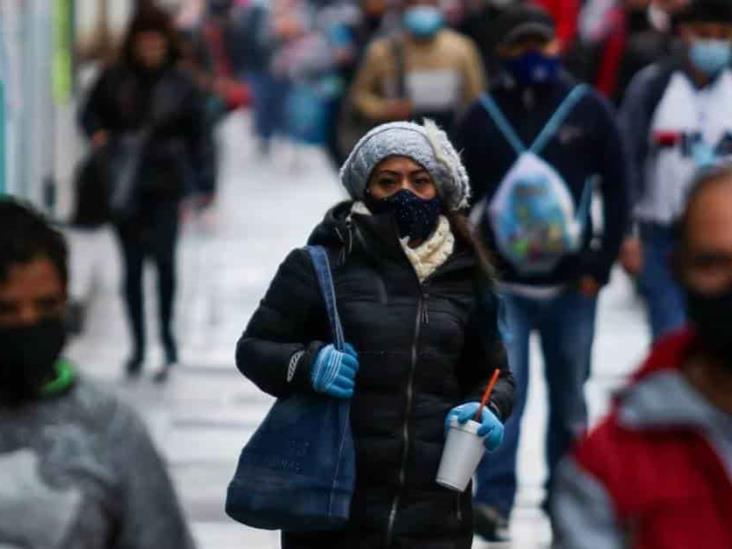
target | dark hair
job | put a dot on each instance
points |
(706, 11)
(706, 178)
(150, 18)
(465, 233)
(25, 236)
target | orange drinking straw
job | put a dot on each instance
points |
(487, 394)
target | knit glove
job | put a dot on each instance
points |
(334, 372)
(490, 426)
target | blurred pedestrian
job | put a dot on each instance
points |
(637, 33)
(534, 148)
(252, 42)
(77, 467)
(658, 471)
(148, 115)
(478, 23)
(676, 118)
(425, 71)
(377, 19)
(414, 291)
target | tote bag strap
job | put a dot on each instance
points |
(321, 264)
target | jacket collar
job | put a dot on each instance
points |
(377, 237)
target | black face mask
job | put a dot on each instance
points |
(712, 318)
(27, 358)
(416, 217)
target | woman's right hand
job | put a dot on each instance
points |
(334, 372)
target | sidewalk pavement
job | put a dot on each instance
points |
(206, 412)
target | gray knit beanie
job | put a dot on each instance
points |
(426, 144)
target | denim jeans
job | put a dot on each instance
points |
(154, 236)
(664, 298)
(270, 94)
(566, 325)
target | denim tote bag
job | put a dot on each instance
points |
(298, 470)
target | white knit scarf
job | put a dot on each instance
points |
(432, 253)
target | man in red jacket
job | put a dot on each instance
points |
(658, 472)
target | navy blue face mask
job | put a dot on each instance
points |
(534, 68)
(416, 217)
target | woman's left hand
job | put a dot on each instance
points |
(490, 426)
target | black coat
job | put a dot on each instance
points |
(423, 349)
(166, 104)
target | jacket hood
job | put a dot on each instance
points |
(659, 396)
(332, 231)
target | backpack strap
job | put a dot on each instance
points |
(585, 203)
(504, 126)
(558, 118)
(319, 257)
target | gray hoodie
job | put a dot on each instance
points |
(79, 471)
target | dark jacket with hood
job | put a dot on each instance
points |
(423, 349)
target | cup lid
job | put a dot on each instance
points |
(470, 426)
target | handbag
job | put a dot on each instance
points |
(91, 200)
(307, 109)
(297, 472)
(106, 182)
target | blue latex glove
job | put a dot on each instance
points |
(334, 372)
(490, 426)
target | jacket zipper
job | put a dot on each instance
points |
(422, 318)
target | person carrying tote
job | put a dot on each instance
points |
(145, 100)
(415, 298)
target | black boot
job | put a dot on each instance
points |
(133, 366)
(171, 359)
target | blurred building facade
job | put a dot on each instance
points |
(48, 50)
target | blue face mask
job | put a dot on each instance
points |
(710, 56)
(416, 217)
(423, 21)
(534, 68)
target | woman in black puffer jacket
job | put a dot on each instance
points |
(415, 298)
(145, 99)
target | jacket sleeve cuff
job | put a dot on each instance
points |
(300, 368)
(493, 407)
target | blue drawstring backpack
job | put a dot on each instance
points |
(533, 213)
(297, 472)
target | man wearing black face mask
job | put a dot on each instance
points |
(77, 468)
(536, 147)
(658, 471)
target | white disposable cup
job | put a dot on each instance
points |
(461, 456)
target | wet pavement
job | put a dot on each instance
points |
(205, 413)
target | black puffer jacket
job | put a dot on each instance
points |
(166, 103)
(423, 349)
